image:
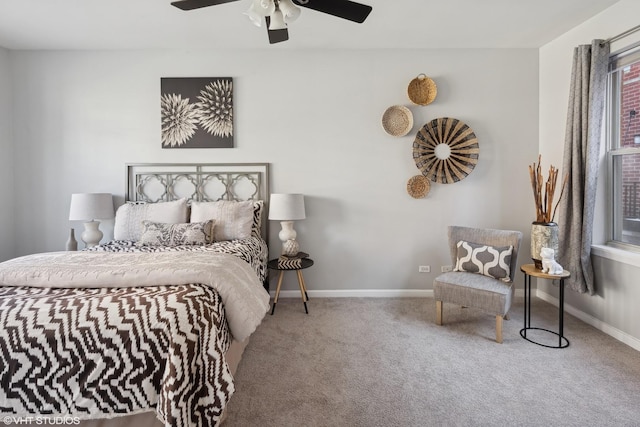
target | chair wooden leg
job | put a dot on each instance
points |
(438, 312)
(499, 329)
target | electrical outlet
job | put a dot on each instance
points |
(446, 268)
(424, 269)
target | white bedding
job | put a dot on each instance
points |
(244, 297)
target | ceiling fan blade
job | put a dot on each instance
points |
(345, 9)
(197, 4)
(276, 36)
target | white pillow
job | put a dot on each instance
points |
(129, 217)
(234, 220)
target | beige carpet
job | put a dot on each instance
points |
(383, 362)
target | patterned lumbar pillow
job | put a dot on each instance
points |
(484, 259)
(163, 234)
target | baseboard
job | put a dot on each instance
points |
(616, 333)
(368, 293)
(361, 293)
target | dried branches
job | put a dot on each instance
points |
(543, 192)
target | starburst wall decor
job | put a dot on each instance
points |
(197, 112)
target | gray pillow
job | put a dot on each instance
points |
(484, 259)
(162, 234)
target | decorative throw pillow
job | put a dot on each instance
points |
(256, 226)
(162, 234)
(234, 220)
(484, 259)
(129, 217)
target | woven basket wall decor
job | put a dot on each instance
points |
(397, 120)
(422, 90)
(446, 150)
(418, 186)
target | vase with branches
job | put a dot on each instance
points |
(544, 191)
(544, 232)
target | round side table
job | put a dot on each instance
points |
(530, 271)
(305, 263)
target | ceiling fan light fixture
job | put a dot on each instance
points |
(263, 7)
(255, 17)
(290, 11)
(277, 21)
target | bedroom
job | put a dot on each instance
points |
(72, 117)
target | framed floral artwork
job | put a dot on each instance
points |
(196, 112)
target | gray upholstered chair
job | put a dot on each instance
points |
(476, 290)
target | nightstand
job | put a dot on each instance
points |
(304, 263)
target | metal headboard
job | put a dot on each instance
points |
(202, 182)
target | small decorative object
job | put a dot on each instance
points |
(549, 264)
(418, 186)
(89, 207)
(287, 208)
(544, 232)
(292, 262)
(72, 243)
(397, 120)
(422, 90)
(197, 112)
(446, 150)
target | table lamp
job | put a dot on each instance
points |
(287, 208)
(88, 207)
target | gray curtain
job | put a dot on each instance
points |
(580, 162)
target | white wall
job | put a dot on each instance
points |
(315, 116)
(614, 308)
(7, 240)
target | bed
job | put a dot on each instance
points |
(149, 328)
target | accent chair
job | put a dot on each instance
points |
(485, 262)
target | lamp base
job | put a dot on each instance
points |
(91, 235)
(290, 247)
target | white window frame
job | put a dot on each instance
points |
(617, 61)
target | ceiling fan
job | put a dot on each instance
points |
(278, 13)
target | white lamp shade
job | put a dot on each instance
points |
(286, 207)
(277, 21)
(289, 10)
(90, 206)
(262, 7)
(255, 18)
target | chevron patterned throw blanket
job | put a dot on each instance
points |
(98, 335)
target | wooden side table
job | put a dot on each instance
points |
(529, 271)
(305, 263)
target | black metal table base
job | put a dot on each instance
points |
(563, 342)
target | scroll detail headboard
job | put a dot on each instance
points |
(202, 182)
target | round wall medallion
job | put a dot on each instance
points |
(445, 150)
(418, 186)
(397, 120)
(422, 90)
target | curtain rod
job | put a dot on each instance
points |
(623, 35)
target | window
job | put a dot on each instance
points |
(623, 115)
